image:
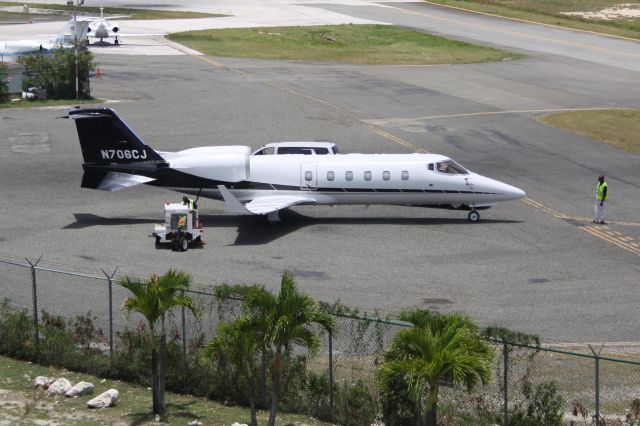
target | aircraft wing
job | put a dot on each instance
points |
(261, 205)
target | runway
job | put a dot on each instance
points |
(537, 266)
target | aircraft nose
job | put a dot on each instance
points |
(503, 191)
(509, 192)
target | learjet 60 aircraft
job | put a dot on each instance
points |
(265, 182)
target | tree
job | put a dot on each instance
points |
(55, 72)
(438, 347)
(154, 299)
(280, 322)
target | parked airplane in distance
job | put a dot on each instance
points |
(71, 32)
(102, 28)
(261, 184)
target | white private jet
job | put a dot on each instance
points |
(102, 28)
(263, 183)
(71, 32)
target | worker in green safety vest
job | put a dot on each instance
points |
(602, 194)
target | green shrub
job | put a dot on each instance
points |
(17, 334)
(398, 408)
(544, 404)
(4, 89)
(55, 72)
(354, 405)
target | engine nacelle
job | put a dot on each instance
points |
(115, 29)
(222, 163)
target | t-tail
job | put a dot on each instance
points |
(114, 156)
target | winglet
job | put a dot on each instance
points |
(231, 203)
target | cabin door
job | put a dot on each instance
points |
(308, 177)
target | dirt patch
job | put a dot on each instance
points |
(621, 11)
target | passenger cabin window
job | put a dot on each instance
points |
(430, 167)
(404, 175)
(367, 175)
(308, 176)
(348, 175)
(294, 150)
(266, 151)
(450, 167)
(331, 176)
(386, 175)
(321, 151)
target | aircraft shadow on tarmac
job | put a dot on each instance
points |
(254, 230)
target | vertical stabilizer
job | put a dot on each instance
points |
(105, 138)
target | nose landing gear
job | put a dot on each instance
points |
(473, 216)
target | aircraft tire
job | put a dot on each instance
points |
(157, 240)
(473, 216)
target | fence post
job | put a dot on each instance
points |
(184, 339)
(330, 375)
(34, 292)
(597, 377)
(505, 359)
(110, 284)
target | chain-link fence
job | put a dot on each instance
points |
(588, 387)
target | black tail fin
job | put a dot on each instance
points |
(105, 138)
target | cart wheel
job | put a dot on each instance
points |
(183, 244)
(174, 244)
(157, 240)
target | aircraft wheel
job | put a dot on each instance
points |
(473, 216)
(183, 244)
(174, 244)
(157, 240)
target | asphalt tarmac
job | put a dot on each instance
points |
(536, 265)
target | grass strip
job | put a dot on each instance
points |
(21, 404)
(551, 13)
(360, 44)
(616, 127)
(48, 103)
(141, 14)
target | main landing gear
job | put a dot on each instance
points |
(473, 216)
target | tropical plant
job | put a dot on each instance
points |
(437, 348)
(154, 298)
(279, 322)
(239, 349)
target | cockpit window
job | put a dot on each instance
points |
(334, 149)
(450, 167)
(321, 151)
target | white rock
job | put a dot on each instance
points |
(239, 424)
(59, 387)
(104, 400)
(80, 388)
(43, 382)
(195, 423)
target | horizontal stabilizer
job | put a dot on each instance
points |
(261, 205)
(111, 181)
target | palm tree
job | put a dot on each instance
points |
(280, 322)
(239, 347)
(437, 347)
(154, 298)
